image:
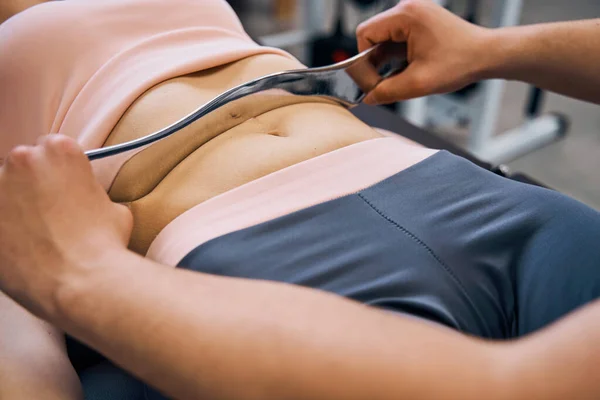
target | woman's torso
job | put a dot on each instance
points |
(108, 71)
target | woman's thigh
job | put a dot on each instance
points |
(559, 269)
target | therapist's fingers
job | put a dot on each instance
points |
(54, 213)
(386, 26)
(445, 52)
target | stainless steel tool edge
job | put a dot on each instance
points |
(346, 83)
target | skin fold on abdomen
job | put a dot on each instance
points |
(228, 148)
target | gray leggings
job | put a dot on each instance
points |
(443, 240)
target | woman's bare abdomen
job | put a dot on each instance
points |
(222, 151)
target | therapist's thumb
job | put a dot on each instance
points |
(409, 84)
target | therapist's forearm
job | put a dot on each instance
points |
(563, 57)
(563, 361)
(197, 336)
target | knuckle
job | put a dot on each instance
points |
(361, 29)
(60, 144)
(409, 6)
(55, 142)
(20, 155)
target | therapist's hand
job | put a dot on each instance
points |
(56, 222)
(445, 52)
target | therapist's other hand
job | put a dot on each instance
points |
(56, 221)
(445, 52)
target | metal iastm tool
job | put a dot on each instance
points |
(346, 83)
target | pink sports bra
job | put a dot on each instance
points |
(74, 67)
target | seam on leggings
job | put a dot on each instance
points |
(422, 244)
